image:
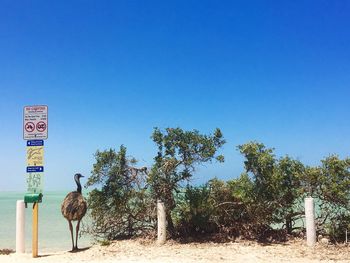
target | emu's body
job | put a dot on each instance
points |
(74, 208)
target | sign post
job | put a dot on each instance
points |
(35, 130)
(35, 230)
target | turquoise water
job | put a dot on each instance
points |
(54, 232)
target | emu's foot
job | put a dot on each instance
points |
(74, 249)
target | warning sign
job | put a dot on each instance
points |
(29, 126)
(41, 126)
(35, 121)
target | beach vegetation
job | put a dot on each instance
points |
(179, 152)
(273, 192)
(329, 184)
(265, 202)
(119, 204)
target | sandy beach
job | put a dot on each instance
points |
(148, 251)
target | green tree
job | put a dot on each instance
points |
(287, 183)
(274, 192)
(335, 180)
(119, 204)
(329, 184)
(260, 164)
(178, 154)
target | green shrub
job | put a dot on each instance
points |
(179, 152)
(120, 205)
(193, 212)
(329, 184)
(268, 194)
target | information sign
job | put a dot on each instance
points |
(35, 182)
(35, 122)
(35, 155)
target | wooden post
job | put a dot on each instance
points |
(20, 219)
(161, 220)
(35, 230)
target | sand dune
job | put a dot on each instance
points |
(147, 251)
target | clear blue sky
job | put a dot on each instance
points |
(273, 71)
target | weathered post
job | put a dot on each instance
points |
(310, 221)
(20, 220)
(35, 230)
(161, 221)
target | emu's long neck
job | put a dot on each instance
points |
(78, 185)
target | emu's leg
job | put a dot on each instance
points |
(71, 233)
(76, 235)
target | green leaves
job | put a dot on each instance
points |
(278, 186)
(119, 205)
(178, 154)
(329, 183)
(274, 190)
(192, 215)
(187, 147)
(270, 191)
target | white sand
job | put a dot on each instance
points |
(147, 251)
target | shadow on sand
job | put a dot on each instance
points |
(61, 253)
(79, 250)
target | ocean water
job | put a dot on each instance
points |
(54, 234)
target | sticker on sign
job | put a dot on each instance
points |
(35, 156)
(35, 122)
(35, 182)
(35, 169)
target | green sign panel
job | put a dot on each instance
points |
(35, 182)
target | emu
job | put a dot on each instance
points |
(74, 208)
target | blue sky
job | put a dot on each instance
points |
(109, 71)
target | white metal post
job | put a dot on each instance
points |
(310, 221)
(161, 220)
(346, 235)
(20, 219)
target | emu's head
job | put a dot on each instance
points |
(77, 180)
(78, 176)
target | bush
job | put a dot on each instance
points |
(263, 203)
(209, 209)
(194, 211)
(329, 184)
(120, 207)
(179, 152)
(271, 187)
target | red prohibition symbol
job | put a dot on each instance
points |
(29, 126)
(41, 126)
